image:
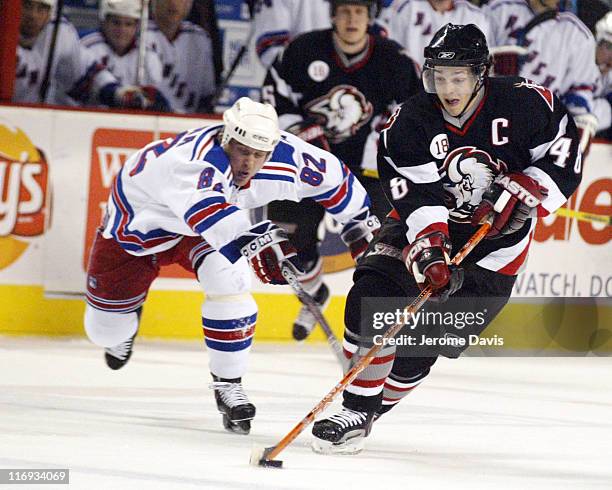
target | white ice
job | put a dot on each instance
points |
(476, 423)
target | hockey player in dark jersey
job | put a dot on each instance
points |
(469, 149)
(335, 88)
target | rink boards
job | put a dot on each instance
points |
(56, 168)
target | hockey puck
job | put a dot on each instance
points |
(271, 463)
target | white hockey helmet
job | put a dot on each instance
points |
(603, 28)
(251, 123)
(124, 8)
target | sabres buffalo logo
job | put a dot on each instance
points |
(342, 111)
(466, 174)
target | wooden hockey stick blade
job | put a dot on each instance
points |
(292, 279)
(272, 452)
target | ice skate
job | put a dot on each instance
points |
(118, 356)
(342, 433)
(306, 321)
(233, 404)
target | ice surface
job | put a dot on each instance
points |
(476, 423)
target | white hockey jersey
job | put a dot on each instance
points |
(276, 22)
(188, 74)
(183, 186)
(561, 51)
(601, 104)
(124, 67)
(74, 70)
(412, 23)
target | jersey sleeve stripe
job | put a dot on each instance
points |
(196, 145)
(283, 88)
(271, 39)
(423, 217)
(510, 259)
(418, 174)
(555, 198)
(541, 150)
(339, 201)
(281, 168)
(133, 240)
(339, 193)
(273, 176)
(207, 212)
(205, 147)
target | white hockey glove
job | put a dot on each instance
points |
(358, 234)
(266, 247)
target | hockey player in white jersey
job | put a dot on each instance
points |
(185, 50)
(276, 22)
(184, 200)
(75, 76)
(115, 46)
(412, 23)
(556, 53)
(603, 95)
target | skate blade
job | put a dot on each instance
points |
(242, 427)
(350, 447)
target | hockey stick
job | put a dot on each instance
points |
(312, 306)
(44, 85)
(142, 43)
(236, 61)
(265, 456)
(582, 216)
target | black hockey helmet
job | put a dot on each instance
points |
(374, 6)
(458, 45)
(461, 46)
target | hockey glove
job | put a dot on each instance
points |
(311, 132)
(146, 98)
(427, 259)
(511, 198)
(358, 234)
(266, 247)
(129, 97)
(155, 101)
